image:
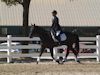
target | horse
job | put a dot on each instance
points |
(48, 42)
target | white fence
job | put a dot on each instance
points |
(9, 46)
(9, 55)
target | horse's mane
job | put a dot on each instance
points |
(41, 29)
(45, 33)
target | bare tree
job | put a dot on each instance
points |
(25, 4)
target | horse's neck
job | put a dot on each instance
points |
(45, 37)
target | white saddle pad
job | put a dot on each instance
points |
(63, 37)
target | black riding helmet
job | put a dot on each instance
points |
(54, 11)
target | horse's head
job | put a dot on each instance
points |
(36, 31)
(33, 31)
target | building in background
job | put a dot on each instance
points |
(81, 16)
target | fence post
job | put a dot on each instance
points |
(98, 47)
(9, 48)
(55, 53)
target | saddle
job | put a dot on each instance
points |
(60, 35)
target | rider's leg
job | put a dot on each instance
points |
(58, 38)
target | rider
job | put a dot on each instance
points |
(55, 28)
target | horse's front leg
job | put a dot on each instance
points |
(41, 52)
(52, 55)
(51, 51)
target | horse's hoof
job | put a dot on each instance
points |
(65, 60)
(11, 61)
(57, 61)
(78, 61)
(37, 62)
(61, 62)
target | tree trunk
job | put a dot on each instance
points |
(26, 4)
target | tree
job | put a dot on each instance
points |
(25, 4)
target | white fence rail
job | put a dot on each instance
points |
(9, 39)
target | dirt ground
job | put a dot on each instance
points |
(50, 69)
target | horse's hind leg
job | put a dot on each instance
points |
(76, 55)
(67, 53)
(41, 52)
(51, 51)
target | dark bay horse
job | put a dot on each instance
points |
(48, 42)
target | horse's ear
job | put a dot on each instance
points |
(34, 25)
(31, 24)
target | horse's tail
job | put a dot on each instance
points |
(77, 46)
